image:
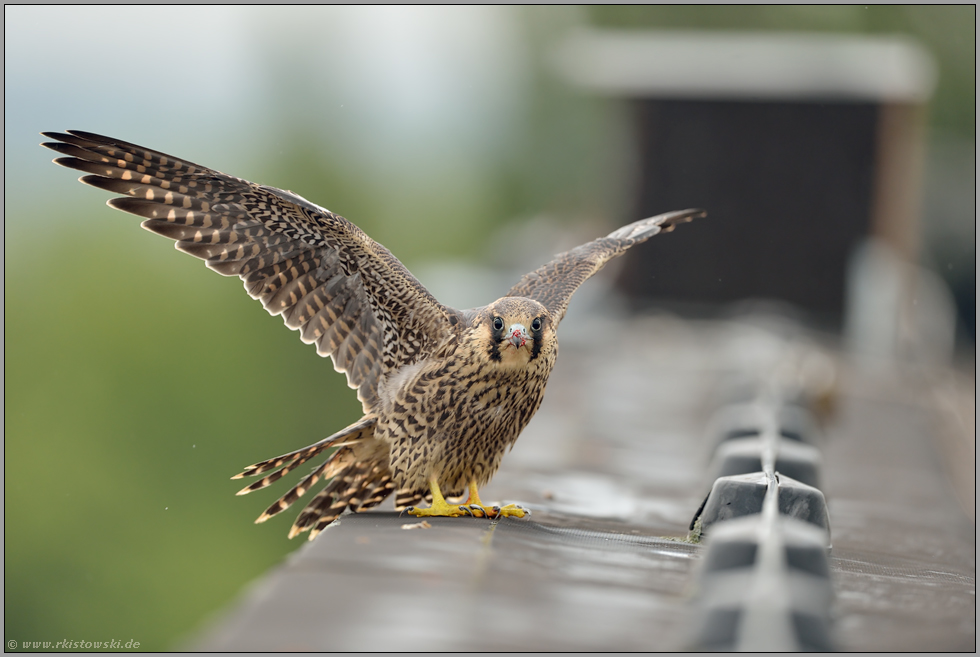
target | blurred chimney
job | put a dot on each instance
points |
(800, 146)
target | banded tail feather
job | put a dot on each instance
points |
(405, 498)
(359, 486)
(334, 466)
(357, 431)
(357, 474)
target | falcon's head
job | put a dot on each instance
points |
(516, 332)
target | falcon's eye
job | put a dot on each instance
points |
(498, 324)
(536, 324)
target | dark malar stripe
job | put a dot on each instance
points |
(536, 346)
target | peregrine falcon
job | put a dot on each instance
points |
(445, 392)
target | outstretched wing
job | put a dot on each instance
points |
(337, 286)
(554, 284)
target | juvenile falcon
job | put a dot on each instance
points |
(445, 392)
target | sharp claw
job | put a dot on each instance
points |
(466, 510)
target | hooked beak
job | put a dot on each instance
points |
(517, 335)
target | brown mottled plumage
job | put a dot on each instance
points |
(445, 392)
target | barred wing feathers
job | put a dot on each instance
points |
(554, 283)
(324, 275)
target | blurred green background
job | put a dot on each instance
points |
(137, 381)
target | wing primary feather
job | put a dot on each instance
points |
(554, 283)
(263, 234)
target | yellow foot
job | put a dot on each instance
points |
(475, 510)
(481, 511)
(473, 507)
(440, 507)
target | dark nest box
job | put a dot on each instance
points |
(799, 146)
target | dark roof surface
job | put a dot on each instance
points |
(614, 467)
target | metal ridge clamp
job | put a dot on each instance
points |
(765, 580)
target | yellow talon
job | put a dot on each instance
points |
(473, 506)
(513, 510)
(477, 506)
(439, 507)
(482, 511)
(443, 509)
